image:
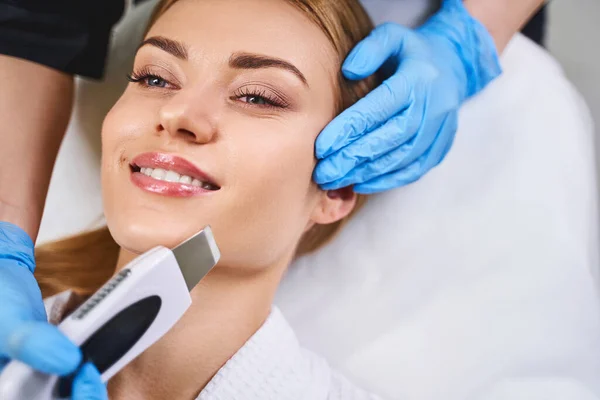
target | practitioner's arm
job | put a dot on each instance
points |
(35, 106)
(42, 45)
(503, 18)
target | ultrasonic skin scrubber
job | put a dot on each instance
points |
(134, 309)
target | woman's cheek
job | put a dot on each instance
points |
(131, 116)
(288, 158)
(272, 173)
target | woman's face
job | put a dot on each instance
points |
(228, 100)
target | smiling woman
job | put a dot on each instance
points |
(217, 127)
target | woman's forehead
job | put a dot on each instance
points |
(216, 29)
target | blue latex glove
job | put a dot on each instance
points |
(406, 126)
(25, 334)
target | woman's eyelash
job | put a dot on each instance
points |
(261, 98)
(145, 77)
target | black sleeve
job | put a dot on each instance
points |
(536, 28)
(67, 35)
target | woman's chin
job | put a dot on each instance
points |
(139, 237)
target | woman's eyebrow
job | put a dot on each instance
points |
(237, 60)
(172, 47)
(256, 61)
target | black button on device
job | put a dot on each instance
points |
(119, 334)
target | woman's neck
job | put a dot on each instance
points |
(227, 309)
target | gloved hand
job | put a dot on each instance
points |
(25, 334)
(406, 126)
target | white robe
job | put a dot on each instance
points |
(271, 365)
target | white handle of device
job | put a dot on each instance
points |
(121, 320)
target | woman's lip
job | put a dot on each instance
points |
(173, 189)
(174, 163)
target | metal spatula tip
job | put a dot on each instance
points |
(196, 256)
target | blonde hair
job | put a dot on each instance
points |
(84, 262)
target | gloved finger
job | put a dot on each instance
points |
(372, 145)
(16, 245)
(412, 172)
(435, 131)
(391, 97)
(431, 133)
(372, 52)
(43, 347)
(88, 384)
(20, 297)
(391, 180)
(390, 162)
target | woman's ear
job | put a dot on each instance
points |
(333, 205)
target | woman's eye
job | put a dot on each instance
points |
(258, 100)
(146, 79)
(156, 81)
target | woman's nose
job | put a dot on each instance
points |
(193, 120)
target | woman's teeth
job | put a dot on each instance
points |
(171, 176)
